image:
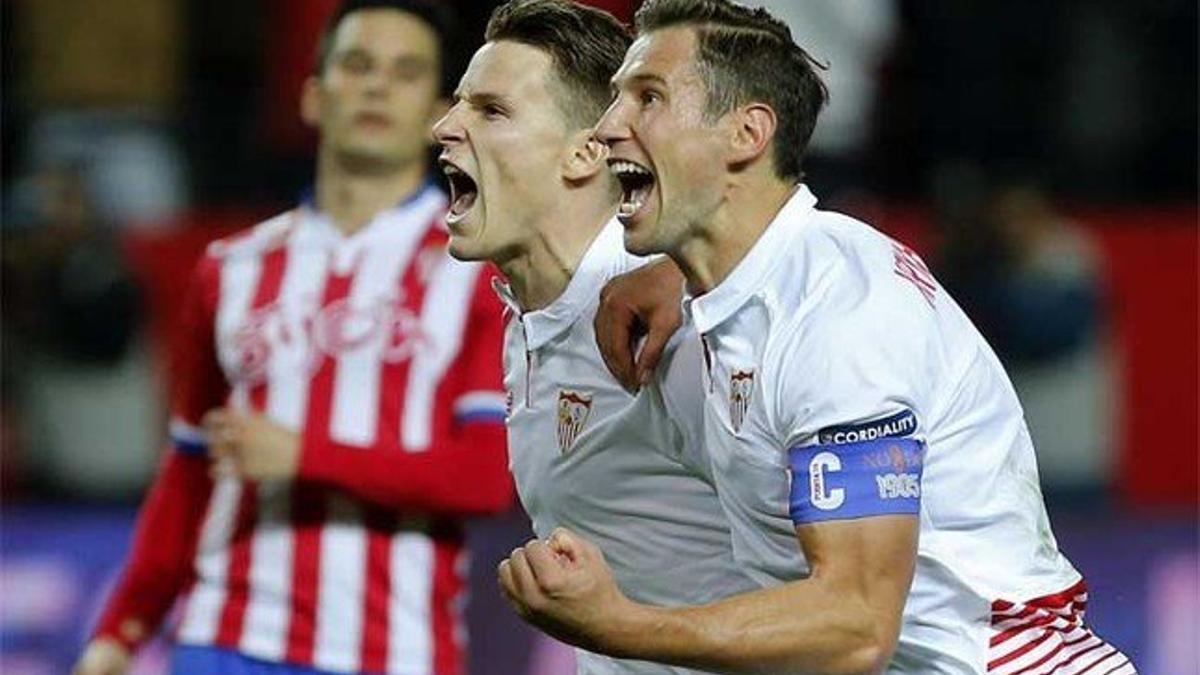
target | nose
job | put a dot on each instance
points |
(447, 130)
(375, 83)
(613, 126)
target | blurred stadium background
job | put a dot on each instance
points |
(1041, 154)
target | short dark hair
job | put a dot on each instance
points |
(586, 45)
(435, 14)
(747, 55)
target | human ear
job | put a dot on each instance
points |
(753, 128)
(586, 157)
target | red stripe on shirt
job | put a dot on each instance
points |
(1100, 644)
(1075, 594)
(393, 379)
(1030, 624)
(233, 614)
(309, 505)
(237, 586)
(380, 525)
(447, 598)
(1059, 617)
(1020, 651)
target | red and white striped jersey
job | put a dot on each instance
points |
(383, 353)
(1047, 635)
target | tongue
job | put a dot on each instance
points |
(634, 199)
(463, 203)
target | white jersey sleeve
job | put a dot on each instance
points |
(853, 365)
(853, 361)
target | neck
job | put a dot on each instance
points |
(541, 269)
(353, 195)
(716, 245)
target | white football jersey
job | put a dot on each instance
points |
(833, 358)
(624, 471)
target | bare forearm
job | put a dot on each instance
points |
(801, 627)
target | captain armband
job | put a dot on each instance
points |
(832, 481)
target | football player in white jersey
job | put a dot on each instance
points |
(865, 441)
(532, 192)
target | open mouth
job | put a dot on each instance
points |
(637, 182)
(463, 191)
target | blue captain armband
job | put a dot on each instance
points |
(856, 480)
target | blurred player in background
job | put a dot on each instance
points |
(338, 408)
(850, 406)
(531, 190)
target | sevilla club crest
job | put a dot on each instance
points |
(741, 387)
(574, 407)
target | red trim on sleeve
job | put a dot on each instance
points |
(160, 559)
(465, 475)
(159, 564)
(198, 384)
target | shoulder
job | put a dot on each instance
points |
(851, 288)
(250, 243)
(261, 238)
(858, 337)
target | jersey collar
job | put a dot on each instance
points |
(422, 203)
(750, 275)
(547, 323)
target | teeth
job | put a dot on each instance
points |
(632, 203)
(621, 166)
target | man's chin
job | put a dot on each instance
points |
(467, 250)
(370, 158)
(459, 250)
(639, 241)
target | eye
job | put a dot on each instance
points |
(410, 72)
(649, 97)
(355, 62)
(492, 111)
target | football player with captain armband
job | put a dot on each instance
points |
(864, 440)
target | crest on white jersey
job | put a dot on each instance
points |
(574, 408)
(741, 388)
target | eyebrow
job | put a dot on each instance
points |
(412, 60)
(482, 98)
(639, 78)
(401, 59)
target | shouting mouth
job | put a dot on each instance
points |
(463, 191)
(637, 183)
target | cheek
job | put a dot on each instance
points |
(521, 167)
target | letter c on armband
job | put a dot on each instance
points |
(821, 496)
